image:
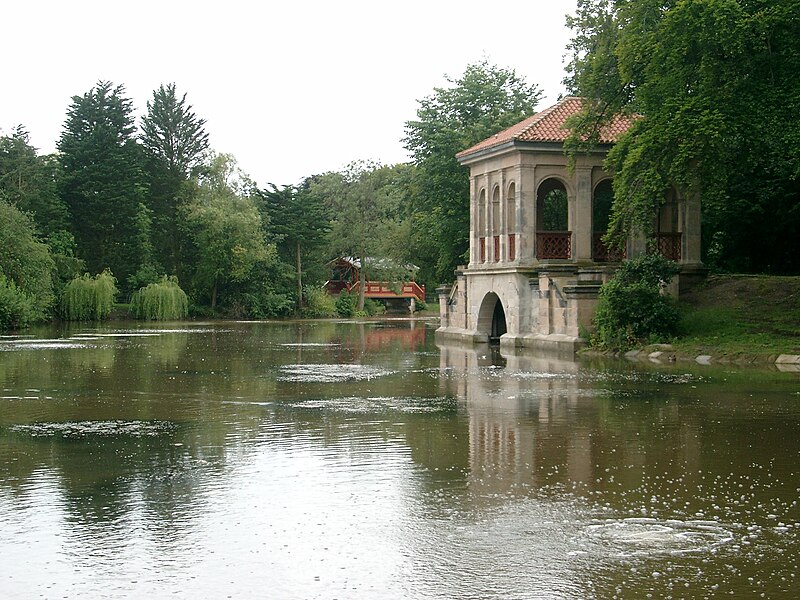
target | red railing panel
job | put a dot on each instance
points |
(602, 253)
(483, 249)
(385, 289)
(512, 247)
(669, 245)
(496, 248)
(553, 244)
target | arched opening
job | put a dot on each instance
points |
(498, 322)
(668, 234)
(602, 200)
(553, 239)
(511, 221)
(492, 318)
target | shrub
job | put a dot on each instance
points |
(17, 309)
(319, 304)
(632, 309)
(88, 298)
(346, 305)
(160, 301)
(421, 305)
(27, 268)
(373, 307)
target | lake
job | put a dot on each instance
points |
(336, 459)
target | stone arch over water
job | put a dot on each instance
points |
(492, 317)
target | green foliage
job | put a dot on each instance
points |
(67, 265)
(17, 309)
(102, 181)
(172, 134)
(26, 266)
(554, 211)
(485, 99)
(421, 305)
(226, 230)
(366, 214)
(175, 145)
(373, 307)
(28, 181)
(144, 276)
(715, 85)
(264, 304)
(160, 301)
(297, 221)
(632, 310)
(318, 303)
(346, 305)
(88, 298)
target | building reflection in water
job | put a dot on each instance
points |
(523, 419)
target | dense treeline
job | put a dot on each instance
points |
(713, 84)
(149, 206)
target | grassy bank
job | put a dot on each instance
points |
(741, 317)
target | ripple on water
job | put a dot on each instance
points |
(331, 373)
(78, 429)
(648, 536)
(311, 345)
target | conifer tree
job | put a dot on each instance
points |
(102, 180)
(175, 145)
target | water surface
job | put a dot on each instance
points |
(360, 460)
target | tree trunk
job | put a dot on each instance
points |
(214, 295)
(299, 278)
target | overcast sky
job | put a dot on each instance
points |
(289, 88)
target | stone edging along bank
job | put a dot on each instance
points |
(664, 353)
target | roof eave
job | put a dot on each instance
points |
(511, 145)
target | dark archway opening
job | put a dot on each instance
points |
(553, 239)
(498, 323)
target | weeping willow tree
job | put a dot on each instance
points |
(88, 298)
(160, 301)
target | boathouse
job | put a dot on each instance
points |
(536, 259)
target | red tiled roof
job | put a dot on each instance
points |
(549, 126)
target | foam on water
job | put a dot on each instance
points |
(649, 536)
(77, 429)
(54, 344)
(331, 373)
(311, 345)
(378, 404)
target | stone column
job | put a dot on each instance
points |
(526, 213)
(582, 225)
(443, 292)
(474, 251)
(503, 228)
(691, 253)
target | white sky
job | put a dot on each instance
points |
(290, 88)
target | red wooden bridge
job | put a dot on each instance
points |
(345, 277)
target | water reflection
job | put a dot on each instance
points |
(669, 488)
(358, 460)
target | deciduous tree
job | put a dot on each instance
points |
(226, 228)
(485, 99)
(715, 84)
(297, 221)
(365, 212)
(26, 287)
